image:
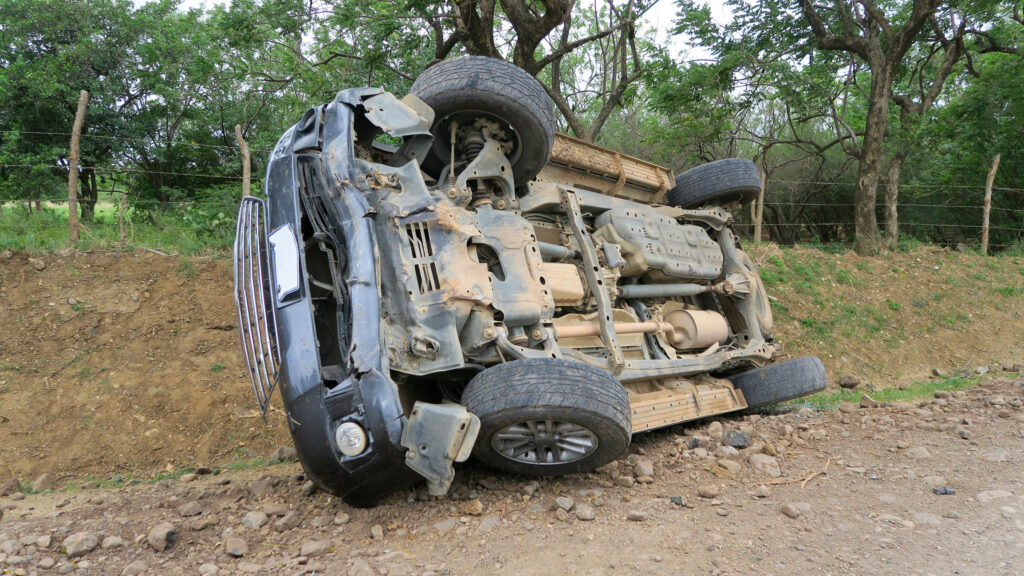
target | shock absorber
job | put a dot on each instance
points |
(473, 144)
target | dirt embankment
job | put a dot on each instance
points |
(121, 363)
(130, 363)
(892, 319)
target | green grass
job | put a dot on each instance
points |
(917, 390)
(165, 231)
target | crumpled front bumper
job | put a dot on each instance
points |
(278, 332)
(327, 358)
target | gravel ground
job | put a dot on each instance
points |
(933, 487)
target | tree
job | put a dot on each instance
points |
(865, 56)
(579, 55)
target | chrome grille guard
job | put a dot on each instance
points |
(257, 312)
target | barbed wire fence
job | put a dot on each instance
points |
(966, 224)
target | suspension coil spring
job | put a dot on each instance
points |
(474, 143)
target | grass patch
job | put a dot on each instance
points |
(925, 389)
(168, 231)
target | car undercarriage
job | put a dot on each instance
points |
(489, 287)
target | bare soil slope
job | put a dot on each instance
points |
(121, 363)
(115, 363)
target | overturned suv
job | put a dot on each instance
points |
(443, 275)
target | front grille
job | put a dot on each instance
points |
(257, 316)
(422, 249)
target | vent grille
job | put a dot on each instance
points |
(422, 250)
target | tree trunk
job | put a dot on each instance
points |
(90, 194)
(869, 168)
(987, 208)
(759, 215)
(892, 191)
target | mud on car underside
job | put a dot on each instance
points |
(489, 287)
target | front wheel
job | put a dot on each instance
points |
(548, 417)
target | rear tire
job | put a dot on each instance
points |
(721, 182)
(781, 381)
(548, 416)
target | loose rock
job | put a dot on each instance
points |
(80, 544)
(794, 509)
(918, 453)
(735, 439)
(868, 402)
(473, 507)
(191, 508)
(766, 464)
(12, 486)
(262, 488)
(315, 547)
(161, 537)
(290, 520)
(377, 532)
(254, 519)
(309, 488)
(565, 503)
(637, 515)
(849, 381)
(283, 454)
(113, 542)
(236, 547)
(625, 481)
(708, 491)
(585, 512)
(730, 465)
(715, 430)
(42, 483)
(643, 468)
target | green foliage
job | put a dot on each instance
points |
(168, 85)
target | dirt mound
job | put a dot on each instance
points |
(115, 363)
(892, 319)
(122, 363)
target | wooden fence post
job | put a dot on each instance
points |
(76, 132)
(988, 204)
(760, 208)
(120, 219)
(245, 160)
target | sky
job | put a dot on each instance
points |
(660, 17)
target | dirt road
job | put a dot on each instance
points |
(934, 488)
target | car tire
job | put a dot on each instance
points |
(781, 381)
(721, 182)
(548, 416)
(478, 85)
